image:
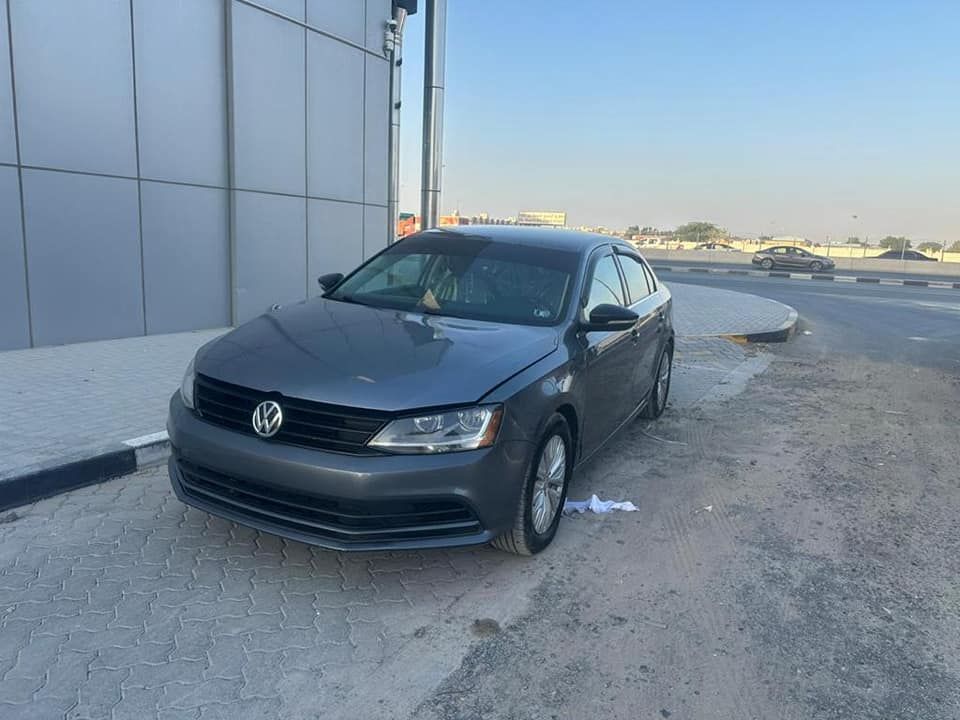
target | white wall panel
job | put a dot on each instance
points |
(74, 84)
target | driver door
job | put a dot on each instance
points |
(611, 358)
(795, 258)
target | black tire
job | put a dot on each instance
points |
(766, 264)
(816, 266)
(522, 538)
(657, 401)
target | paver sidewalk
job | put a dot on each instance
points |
(71, 401)
(702, 312)
(67, 403)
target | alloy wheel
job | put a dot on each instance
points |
(663, 380)
(549, 484)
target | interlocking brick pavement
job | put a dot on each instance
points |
(118, 601)
(703, 311)
(65, 402)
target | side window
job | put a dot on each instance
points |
(651, 281)
(605, 285)
(780, 251)
(637, 283)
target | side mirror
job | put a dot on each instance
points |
(329, 281)
(611, 317)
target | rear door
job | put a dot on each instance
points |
(610, 357)
(643, 299)
(779, 255)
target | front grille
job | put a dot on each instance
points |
(346, 522)
(305, 423)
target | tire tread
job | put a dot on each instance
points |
(514, 540)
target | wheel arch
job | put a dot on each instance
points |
(569, 413)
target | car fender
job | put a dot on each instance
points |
(535, 394)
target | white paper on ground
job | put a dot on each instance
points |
(595, 504)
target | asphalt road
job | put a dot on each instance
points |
(895, 273)
(911, 325)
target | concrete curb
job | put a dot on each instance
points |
(59, 476)
(827, 277)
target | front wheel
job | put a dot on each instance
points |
(661, 386)
(766, 264)
(816, 266)
(544, 492)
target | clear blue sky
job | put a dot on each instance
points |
(765, 116)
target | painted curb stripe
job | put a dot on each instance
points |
(144, 440)
(825, 277)
(30, 487)
(128, 457)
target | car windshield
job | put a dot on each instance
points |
(466, 277)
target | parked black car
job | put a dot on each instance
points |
(905, 255)
(441, 394)
(787, 256)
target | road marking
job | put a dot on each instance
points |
(801, 276)
(844, 278)
(891, 282)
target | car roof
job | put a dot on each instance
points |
(558, 238)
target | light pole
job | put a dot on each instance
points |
(435, 44)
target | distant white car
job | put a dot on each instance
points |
(715, 246)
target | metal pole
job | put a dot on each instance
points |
(393, 42)
(433, 81)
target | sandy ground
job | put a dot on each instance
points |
(796, 555)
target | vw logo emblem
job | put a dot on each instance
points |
(267, 418)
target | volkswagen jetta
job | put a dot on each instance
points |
(441, 394)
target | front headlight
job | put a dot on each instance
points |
(186, 385)
(464, 429)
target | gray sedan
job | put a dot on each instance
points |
(441, 394)
(788, 256)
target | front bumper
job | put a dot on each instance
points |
(346, 502)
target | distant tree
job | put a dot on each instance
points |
(955, 247)
(765, 238)
(855, 241)
(892, 242)
(699, 232)
(632, 230)
(932, 246)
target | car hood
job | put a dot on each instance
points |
(359, 356)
